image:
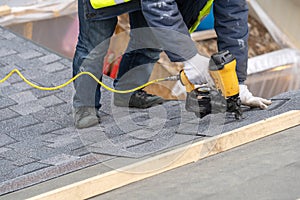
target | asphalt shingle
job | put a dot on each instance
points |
(5, 140)
(8, 90)
(4, 52)
(16, 157)
(32, 131)
(50, 58)
(6, 102)
(53, 67)
(6, 113)
(7, 126)
(23, 97)
(30, 54)
(49, 101)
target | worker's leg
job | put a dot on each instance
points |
(93, 42)
(169, 28)
(137, 63)
(231, 25)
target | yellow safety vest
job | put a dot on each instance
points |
(203, 13)
(96, 4)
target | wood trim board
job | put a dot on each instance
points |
(173, 159)
(203, 35)
(4, 10)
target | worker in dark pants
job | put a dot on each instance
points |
(170, 22)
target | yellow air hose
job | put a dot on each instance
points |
(171, 78)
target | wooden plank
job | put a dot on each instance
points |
(28, 30)
(4, 10)
(173, 159)
(203, 35)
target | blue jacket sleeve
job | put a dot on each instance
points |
(167, 24)
(231, 25)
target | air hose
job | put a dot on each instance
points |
(170, 78)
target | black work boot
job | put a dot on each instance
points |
(85, 117)
(139, 99)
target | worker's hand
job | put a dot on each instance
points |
(249, 100)
(196, 70)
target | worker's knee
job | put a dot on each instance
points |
(142, 56)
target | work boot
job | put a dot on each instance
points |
(85, 117)
(139, 99)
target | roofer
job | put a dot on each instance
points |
(170, 22)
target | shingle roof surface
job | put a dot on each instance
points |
(37, 138)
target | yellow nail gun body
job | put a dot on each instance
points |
(205, 100)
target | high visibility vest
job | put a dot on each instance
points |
(203, 13)
(96, 4)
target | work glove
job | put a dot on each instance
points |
(196, 70)
(249, 100)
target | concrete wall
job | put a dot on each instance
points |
(286, 15)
